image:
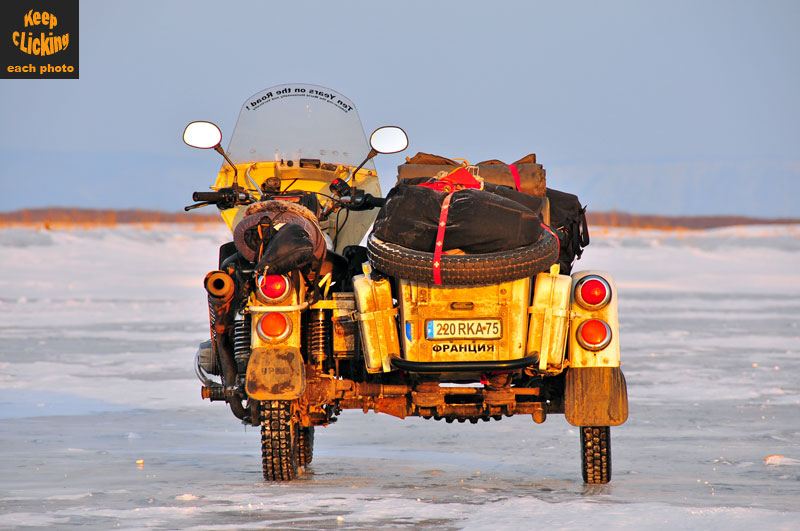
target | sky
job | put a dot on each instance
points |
(672, 108)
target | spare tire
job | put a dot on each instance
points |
(464, 269)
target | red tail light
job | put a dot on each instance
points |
(592, 292)
(273, 288)
(274, 326)
(594, 334)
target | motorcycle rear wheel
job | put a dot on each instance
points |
(280, 441)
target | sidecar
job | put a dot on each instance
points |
(306, 322)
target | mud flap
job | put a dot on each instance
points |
(595, 396)
(276, 374)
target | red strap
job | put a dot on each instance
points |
(437, 250)
(515, 175)
(558, 242)
(458, 180)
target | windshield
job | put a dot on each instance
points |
(298, 121)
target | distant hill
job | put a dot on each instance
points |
(58, 217)
(643, 221)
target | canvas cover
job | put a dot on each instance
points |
(479, 221)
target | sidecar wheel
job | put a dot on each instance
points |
(306, 447)
(464, 269)
(596, 454)
(280, 436)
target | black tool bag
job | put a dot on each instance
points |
(568, 220)
(289, 248)
(478, 221)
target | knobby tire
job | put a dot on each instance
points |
(596, 454)
(279, 441)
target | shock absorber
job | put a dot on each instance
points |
(319, 336)
(241, 343)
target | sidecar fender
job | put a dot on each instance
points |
(595, 396)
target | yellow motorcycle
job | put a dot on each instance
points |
(306, 322)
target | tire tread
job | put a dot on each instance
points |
(466, 269)
(279, 441)
(596, 454)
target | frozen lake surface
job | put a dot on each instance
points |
(102, 425)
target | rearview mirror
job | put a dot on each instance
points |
(388, 139)
(203, 135)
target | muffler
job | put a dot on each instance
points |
(219, 285)
(221, 289)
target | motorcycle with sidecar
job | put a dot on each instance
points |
(306, 321)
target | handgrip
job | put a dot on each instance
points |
(210, 197)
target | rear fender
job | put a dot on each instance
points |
(276, 373)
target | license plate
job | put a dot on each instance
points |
(463, 329)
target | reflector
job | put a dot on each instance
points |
(594, 334)
(274, 326)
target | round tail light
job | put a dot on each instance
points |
(274, 326)
(273, 288)
(594, 334)
(592, 292)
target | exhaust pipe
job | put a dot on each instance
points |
(220, 285)
(221, 288)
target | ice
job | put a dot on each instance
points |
(102, 424)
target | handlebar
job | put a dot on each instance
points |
(224, 198)
(210, 197)
(371, 201)
(361, 201)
